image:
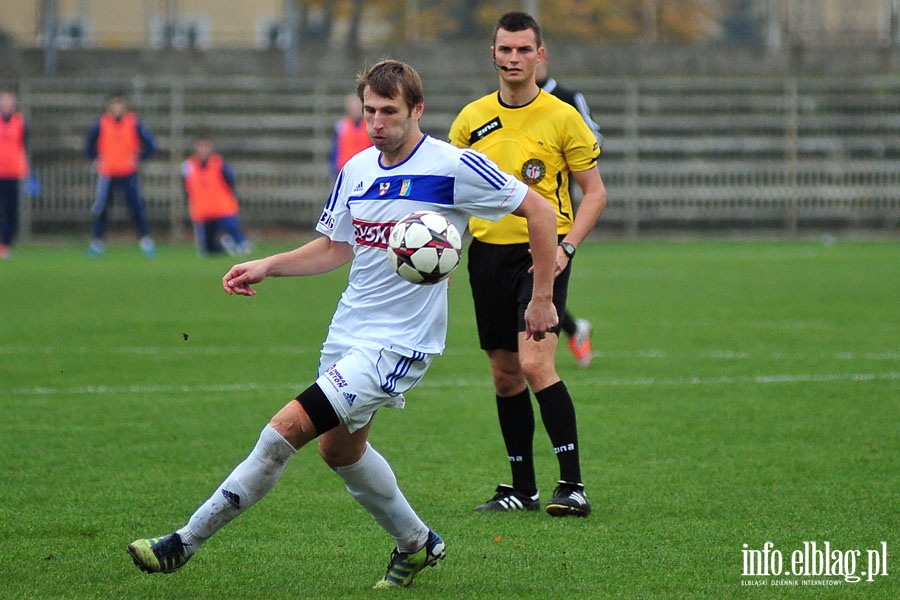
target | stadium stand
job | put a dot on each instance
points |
(783, 153)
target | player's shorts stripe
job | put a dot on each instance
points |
(485, 169)
(400, 371)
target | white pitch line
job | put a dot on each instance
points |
(150, 389)
(445, 382)
(754, 379)
(649, 354)
(156, 350)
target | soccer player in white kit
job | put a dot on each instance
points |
(385, 330)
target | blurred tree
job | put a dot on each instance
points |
(688, 20)
(743, 24)
(589, 21)
(315, 21)
(607, 21)
(7, 40)
(594, 21)
(356, 17)
(466, 12)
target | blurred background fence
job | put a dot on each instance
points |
(718, 115)
(783, 153)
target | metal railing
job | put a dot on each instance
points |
(684, 152)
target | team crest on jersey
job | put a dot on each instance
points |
(533, 171)
(383, 187)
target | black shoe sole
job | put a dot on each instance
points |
(561, 510)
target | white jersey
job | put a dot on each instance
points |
(368, 199)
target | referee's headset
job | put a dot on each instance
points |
(496, 66)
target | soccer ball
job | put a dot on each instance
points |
(424, 247)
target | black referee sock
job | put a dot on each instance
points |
(517, 425)
(558, 414)
(567, 324)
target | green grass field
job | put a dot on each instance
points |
(742, 393)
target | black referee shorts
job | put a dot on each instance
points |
(501, 288)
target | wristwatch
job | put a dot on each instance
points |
(568, 249)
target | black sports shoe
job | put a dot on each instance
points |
(507, 499)
(159, 555)
(569, 500)
(404, 566)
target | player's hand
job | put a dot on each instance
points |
(540, 318)
(239, 278)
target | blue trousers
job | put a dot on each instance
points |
(129, 186)
(9, 210)
(206, 234)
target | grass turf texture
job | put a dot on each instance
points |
(743, 392)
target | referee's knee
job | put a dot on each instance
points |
(539, 372)
(508, 377)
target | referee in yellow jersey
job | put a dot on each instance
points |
(543, 141)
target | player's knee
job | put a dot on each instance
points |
(334, 457)
(331, 454)
(339, 451)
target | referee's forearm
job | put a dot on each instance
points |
(588, 214)
(593, 203)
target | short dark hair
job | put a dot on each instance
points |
(389, 77)
(518, 21)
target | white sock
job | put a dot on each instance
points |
(372, 482)
(247, 484)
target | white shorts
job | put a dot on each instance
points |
(359, 379)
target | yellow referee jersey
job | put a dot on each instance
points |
(540, 143)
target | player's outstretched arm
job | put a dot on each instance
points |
(318, 256)
(540, 316)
